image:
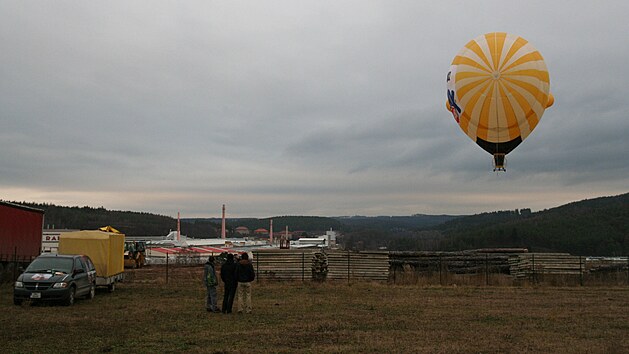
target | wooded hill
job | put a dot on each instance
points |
(590, 227)
(595, 227)
(388, 223)
(128, 222)
(307, 224)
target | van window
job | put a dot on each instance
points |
(88, 262)
(78, 264)
(48, 264)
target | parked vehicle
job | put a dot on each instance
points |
(105, 248)
(134, 254)
(52, 277)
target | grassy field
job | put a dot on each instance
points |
(146, 315)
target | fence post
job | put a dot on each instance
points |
(440, 271)
(167, 268)
(533, 269)
(348, 265)
(580, 270)
(303, 266)
(256, 256)
(486, 269)
(14, 264)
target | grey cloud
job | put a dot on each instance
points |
(275, 107)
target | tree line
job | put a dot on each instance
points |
(128, 222)
(596, 227)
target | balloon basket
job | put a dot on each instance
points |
(500, 162)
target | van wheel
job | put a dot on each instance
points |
(70, 300)
(17, 302)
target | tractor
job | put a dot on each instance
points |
(134, 254)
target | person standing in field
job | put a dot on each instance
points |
(210, 282)
(228, 276)
(245, 274)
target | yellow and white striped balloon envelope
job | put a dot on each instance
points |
(498, 89)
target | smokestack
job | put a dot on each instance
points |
(223, 224)
(271, 232)
(178, 227)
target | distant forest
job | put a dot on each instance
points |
(128, 222)
(595, 227)
(309, 225)
(590, 227)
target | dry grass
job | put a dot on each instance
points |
(146, 315)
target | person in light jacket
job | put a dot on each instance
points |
(245, 274)
(210, 282)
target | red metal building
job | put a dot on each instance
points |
(21, 230)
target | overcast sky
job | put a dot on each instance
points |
(297, 107)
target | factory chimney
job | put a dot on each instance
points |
(223, 224)
(271, 233)
(178, 227)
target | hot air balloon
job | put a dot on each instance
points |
(498, 89)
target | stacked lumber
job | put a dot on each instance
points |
(530, 264)
(607, 264)
(464, 262)
(312, 264)
(283, 264)
(358, 265)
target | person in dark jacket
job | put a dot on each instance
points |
(228, 276)
(210, 282)
(245, 274)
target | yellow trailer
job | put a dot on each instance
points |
(106, 249)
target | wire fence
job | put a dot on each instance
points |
(399, 268)
(11, 265)
(553, 269)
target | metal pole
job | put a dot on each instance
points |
(440, 271)
(14, 264)
(348, 265)
(167, 268)
(581, 270)
(533, 265)
(303, 266)
(486, 269)
(256, 255)
(416, 274)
